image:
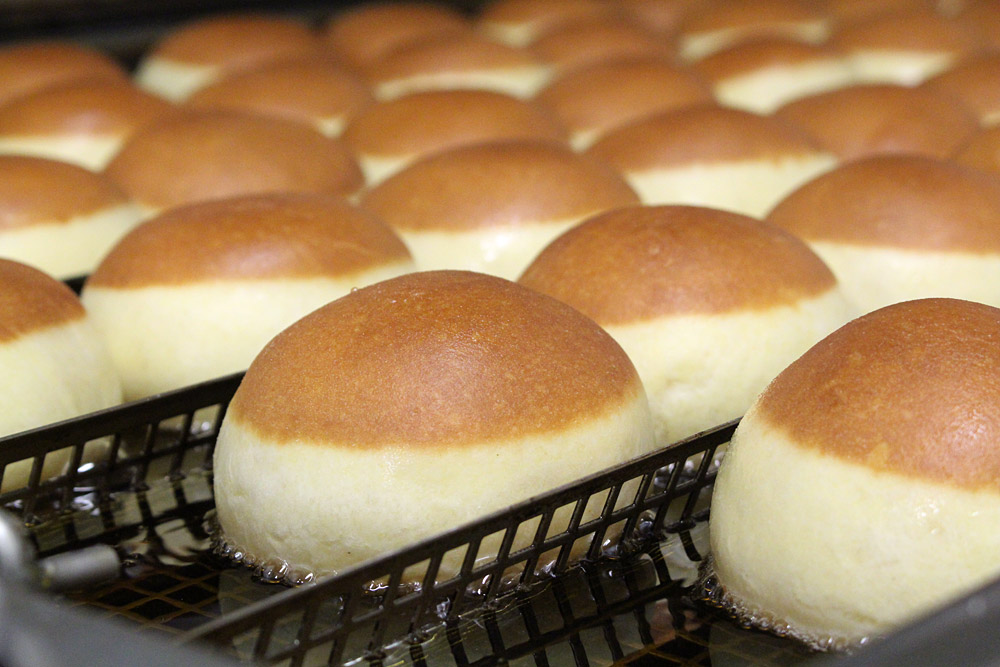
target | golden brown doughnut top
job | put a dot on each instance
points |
(914, 30)
(434, 359)
(848, 11)
(660, 16)
(643, 262)
(902, 201)
(975, 82)
(584, 42)
(759, 54)
(982, 151)
(758, 17)
(539, 16)
(864, 120)
(604, 95)
(236, 41)
(913, 389)
(305, 90)
(497, 184)
(365, 32)
(462, 52)
(196, 156)
(39, 191)
(89, 107)
(31, 300)
(704, 134)
(983, 19)
(263, 237)
(31, 66)
(423, 122)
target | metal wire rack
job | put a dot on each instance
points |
(139, 477)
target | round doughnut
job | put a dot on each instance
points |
(203, 155)
(492, 392)
(198, 291)
(490, 207)
(709, 305)
(58, 217)
(862, 489)
(898, 227)
(53, 362)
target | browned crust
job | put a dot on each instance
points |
(982, 151)
(198, 156)
(237, 41)
(583, 42)
(901, 201)
(703, 134)
(542, 15)
(975, 81)
(264, 237)
(760, 54)
(983, 19)
(914, 30)
(424, 122)
(864, 120)
(302, 90)
(912, 389)
(497, 185)
(640, 263)
(848, 11)
(605, 95)
(31, 300)
(25, 68)
(447, 53)
(366, 32)
(38, 191)
(90, 107)
(756, 16)
(434, 359)
(660, 16)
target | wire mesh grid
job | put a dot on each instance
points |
(360, 611)
(54, 468)
(569, 575)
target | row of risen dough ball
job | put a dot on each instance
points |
(675, 248)
(643, 112)
(483, 372)
(590, 66)
(890, 228)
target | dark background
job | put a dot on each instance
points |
(126, 28)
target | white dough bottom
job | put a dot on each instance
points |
(164, 338)
(700, 45)
(72, 248)
(700, 371)
(521, 82)
(504, 251)
(50, 375)
(377, 169)
(172, 80)
(836, 550)
(764, 90)
(898, 67)
(873, 277)
(324, 507)
(749, 187)
(90, 151)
